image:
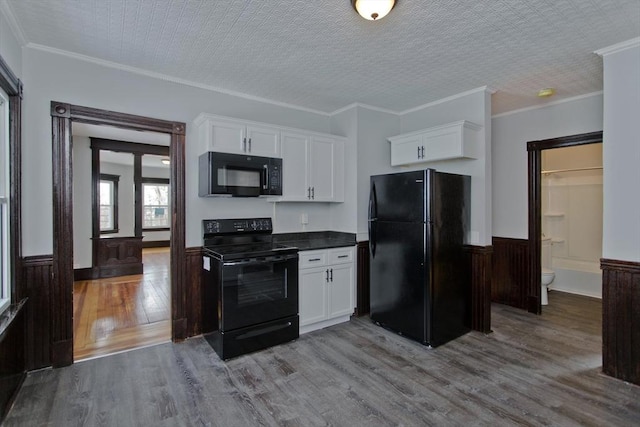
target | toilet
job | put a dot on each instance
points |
(547, 274)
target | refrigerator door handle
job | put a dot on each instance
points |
(373, 214)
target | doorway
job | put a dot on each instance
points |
(535, 149)
(121, 295)
(63, 116)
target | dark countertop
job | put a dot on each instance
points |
(313, 240)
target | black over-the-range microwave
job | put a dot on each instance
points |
(239, 175)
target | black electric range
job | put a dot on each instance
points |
(250, 287)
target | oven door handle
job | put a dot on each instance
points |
(267, 260)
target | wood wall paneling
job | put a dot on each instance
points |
(510, 271)
(481, 278)
(362, 284)
(118, 256)
(193, 257)
(621, 319)
(12, 354)
(36, 280)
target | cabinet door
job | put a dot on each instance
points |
(227, 137)
(407, 150)
(263, 141)
(295, 182)
(312, 290)
(340, 290)
(321, 169)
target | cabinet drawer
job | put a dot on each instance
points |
(312, 259)
(341, 255)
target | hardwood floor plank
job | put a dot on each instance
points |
(532, 370)
(119, 313)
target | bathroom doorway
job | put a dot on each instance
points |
(535, 153)
(572, 200)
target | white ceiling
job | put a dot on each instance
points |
(320, 55)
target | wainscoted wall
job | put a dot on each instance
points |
(481, 272)
(12, 354)
(362, 274)
(36, 282)
(193, 260)
(510, 271)
(621, 319)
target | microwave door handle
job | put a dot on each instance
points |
(266, 177)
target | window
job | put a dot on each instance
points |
(109, 203)
(155, 204)
(5, 232)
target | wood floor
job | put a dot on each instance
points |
(532, 370)
(121, 313)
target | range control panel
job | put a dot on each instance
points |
(236, 226)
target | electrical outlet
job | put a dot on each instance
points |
(304, 218)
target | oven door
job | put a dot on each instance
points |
(259, 290)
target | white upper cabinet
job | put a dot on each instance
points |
(312, 167)
(451, 141)
(312, 163)
(240, 137)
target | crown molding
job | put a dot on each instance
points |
(168, 78)
(361, 105)
(14, 25)
(486, 89)
(618, 47)
(549, 104)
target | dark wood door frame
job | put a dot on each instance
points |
(534, 149)
(62, 117)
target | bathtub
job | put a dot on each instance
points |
(577, 277)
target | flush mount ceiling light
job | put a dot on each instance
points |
(165, 161)
(546, 92)
(373, 10)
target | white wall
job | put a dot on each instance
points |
(343, 215)
(374, 155)
(510, 134)
(621, 152)
(474, 106)
(82, 228)
(9, 47)
(49, 76)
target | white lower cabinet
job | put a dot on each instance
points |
(326, 286)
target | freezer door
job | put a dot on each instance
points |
(398, 284)
(399, 196)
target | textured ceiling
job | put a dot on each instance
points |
(320, 55)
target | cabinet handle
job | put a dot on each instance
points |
(331, 275)
(418, 152)
(309, 193)
(244, 144)
(314, 259)
(313, 193)
(422, 149)
(327, 279)
(343, 256)
(250, 146)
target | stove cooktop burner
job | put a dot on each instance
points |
(227, 239)
(248, 251)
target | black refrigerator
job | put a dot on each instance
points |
(419, 269)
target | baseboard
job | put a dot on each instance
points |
(156, 244)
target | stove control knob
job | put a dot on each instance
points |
(255, 225)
